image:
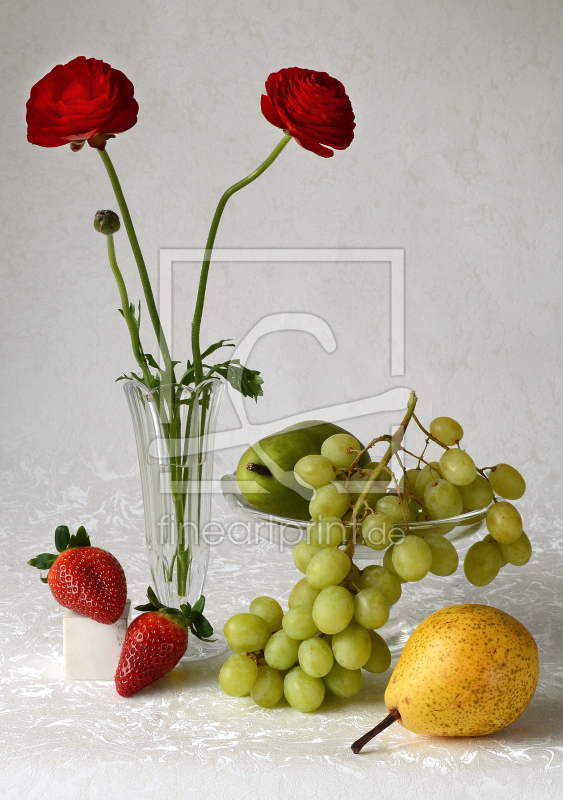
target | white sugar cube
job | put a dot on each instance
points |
(91, 649)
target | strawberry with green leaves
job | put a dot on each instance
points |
(83, 578)
(156, 641)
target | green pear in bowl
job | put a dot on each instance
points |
(265, 472)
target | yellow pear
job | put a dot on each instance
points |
(467, 670)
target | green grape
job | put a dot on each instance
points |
(429, 473)
(302, 691)
(518, 552)
(329, 501)
(445, 559)
(281, 651)
(446, 430)
(376, 530)
(246, 633)
(507, 482)
(380, 656)
(314, 471)
(342, 449)
(388, 563)
(315, 657)
(267, 689)
(333, 609)
(408, 481)
(371, 609)
(328, 532)
(477, 494)
(376, 576)
(352, 646)
(391, 505)
(328, 568)
(302, 594)
(298, 622)
(353, 575)
(503, 559)
(384, 479)
(458, 467)
(442, 500)
(343, 682)
(482, 563)
(504, 522)
(237, 675)
(412, 558)
(270, 610)
(303, 553)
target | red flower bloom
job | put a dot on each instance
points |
(313, 107)
(83, 100)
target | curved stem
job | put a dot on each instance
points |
(392, 717)
(129, 319)
(196, 323)
(145, 280)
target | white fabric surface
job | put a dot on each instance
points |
(182, 738)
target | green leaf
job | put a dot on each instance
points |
(201, 627)
(199, 605)
(80, 539)
(153, 598)
(151, 361)
(147, 607)
(43, 561)
(246, 381)
(62, 538)
(189, 374)
(217, 346)
(43, 580)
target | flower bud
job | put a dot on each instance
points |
(106, 222)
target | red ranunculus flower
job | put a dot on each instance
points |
(83, 100)
(313, 107)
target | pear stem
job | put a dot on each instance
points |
(261, 469)
(392, 717)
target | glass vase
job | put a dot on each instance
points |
(174, 429)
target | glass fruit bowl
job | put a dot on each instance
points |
(272, 527)
(287, 532)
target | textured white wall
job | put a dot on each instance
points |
(457, 159)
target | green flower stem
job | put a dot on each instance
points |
(145, 280)
(129, 319)
(196, 323)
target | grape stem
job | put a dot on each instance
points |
(421, 456)
(428, 463)
(257, 657)
(400, 499)
(385, 438)
(427, 433)
(392, 717)
(394, 444)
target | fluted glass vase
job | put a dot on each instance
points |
(174, 429)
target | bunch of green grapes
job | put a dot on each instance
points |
(324, 639)
(329, 632)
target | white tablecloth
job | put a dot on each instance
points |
(183, 738)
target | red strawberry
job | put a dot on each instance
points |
(83, 578)
(156, 641)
